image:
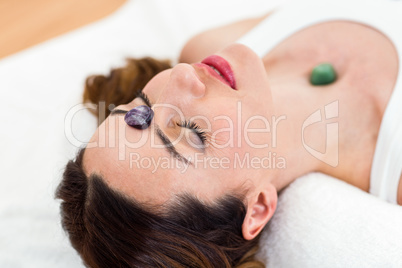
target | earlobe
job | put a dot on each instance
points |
(260, 210)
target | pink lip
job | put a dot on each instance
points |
(223, 67)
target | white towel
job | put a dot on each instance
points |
(325, 222)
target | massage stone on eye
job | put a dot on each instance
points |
(139, 117)
(322, 74)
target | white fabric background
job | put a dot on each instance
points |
(321, 222)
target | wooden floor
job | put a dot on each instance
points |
(24, 23)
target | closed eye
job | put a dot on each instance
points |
(168, 144)
(186, 124)
(196, 129)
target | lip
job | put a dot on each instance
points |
(223, 68)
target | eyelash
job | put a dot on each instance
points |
(202, 135)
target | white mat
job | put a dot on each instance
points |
(40, 85)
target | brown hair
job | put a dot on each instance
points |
(109, 229)
(122, 84)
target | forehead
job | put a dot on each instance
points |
(125, 159)
(148, 174)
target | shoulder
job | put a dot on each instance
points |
(210, 41)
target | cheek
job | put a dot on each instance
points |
(224, 137)
(224, 127)
(256, 132)
(244, 129)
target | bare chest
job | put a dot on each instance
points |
(366, 64)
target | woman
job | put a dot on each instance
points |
(186, 174)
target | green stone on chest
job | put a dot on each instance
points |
(322, 74)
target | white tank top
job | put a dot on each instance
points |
(384, 16)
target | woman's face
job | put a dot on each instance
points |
(202, 138)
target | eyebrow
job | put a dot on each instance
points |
(162, 136)
(118, 111)
(140, 95)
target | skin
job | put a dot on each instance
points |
(269, 88)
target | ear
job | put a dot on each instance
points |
(260, 209)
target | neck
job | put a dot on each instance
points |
(296, 138)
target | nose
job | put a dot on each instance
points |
(184, 84)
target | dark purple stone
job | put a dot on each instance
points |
(140, 117)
